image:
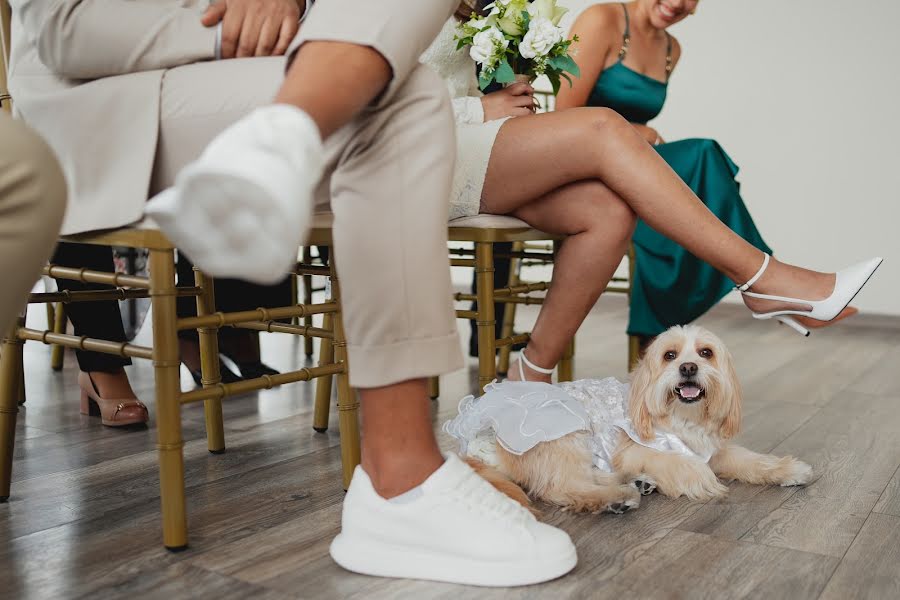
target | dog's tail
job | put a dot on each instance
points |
(502, 483)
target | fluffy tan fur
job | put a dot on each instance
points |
(561, 472)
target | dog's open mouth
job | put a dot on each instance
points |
(689, 391)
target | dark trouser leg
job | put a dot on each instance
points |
(101, 320)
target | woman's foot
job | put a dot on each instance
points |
(524, 369)
(109, 396)
(828, 294)
(190, 358)
(816, 324)
(242, 348)
(781, 279)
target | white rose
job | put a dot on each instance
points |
(548, 9)
(541, 37)
(485, 45)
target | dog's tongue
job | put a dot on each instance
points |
(689, 390)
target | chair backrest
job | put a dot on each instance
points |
(5, 40)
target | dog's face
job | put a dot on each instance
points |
(687, 372)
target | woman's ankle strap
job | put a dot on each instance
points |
(533, 366)
(755, 278)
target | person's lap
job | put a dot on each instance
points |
(398, 310)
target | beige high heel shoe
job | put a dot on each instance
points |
(112, 413)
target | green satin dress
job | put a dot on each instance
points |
(671, 286)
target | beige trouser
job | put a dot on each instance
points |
(32, 204)
(387, 180)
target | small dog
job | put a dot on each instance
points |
(686, 387)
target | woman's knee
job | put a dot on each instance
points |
(605, 120)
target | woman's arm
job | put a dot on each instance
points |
(597, 30)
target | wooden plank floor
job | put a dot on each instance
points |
(83, 517)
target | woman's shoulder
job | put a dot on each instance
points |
(600, 18)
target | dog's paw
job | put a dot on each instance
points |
(696, 482)
(629, 498)
(645, 485)
(796, 472)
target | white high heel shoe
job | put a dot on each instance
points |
(847, 284)
(530, 365)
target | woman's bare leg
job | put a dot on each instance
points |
(534, 155)
(599, 225)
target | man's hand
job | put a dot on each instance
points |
(254, 27)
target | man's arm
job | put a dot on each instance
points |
(87, 39)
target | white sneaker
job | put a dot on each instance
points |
(244, 207)
(459, 530)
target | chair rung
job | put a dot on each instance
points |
(221, 319)
(512, 340)
(467, 314)
(265, 382)
(85, 343)
(88, 276)
(67, 296)
(270, 327)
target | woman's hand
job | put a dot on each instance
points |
(515, 101)
(648, 133)
(254, 27)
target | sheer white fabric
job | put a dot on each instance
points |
(520, 415)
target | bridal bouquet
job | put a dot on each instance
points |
(519, 38)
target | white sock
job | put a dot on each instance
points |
(416, 492)
(407, 497)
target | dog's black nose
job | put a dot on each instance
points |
(688, 369)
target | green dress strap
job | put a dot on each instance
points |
(669, 64)
(626, 37)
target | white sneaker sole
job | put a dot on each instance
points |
(381, 560)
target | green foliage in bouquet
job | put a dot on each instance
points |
(519, 37)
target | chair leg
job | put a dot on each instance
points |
(485, 323)
(22, 395)
(566, 369)
(168, 391)
(348, 402)
(509, 314)
(434, 387)
(57, 352)
(634, 351)
(209, 363)
(10, 369)
(634, 342)
(307, 299)
(323, 384)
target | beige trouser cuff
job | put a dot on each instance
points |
(409, 359)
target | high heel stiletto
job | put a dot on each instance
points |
(530, 365)
(112, 413)
(847, 284)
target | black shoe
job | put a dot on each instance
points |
(254, 369)
(228, 376)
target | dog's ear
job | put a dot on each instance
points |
(640, 392)
(732, 395)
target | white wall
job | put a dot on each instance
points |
(805, 97)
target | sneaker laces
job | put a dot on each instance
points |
(479, 497)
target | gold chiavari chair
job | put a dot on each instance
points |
(160, 286)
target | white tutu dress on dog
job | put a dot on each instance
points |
(519, 415)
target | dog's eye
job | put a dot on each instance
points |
(706, 353)
(670, 355)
